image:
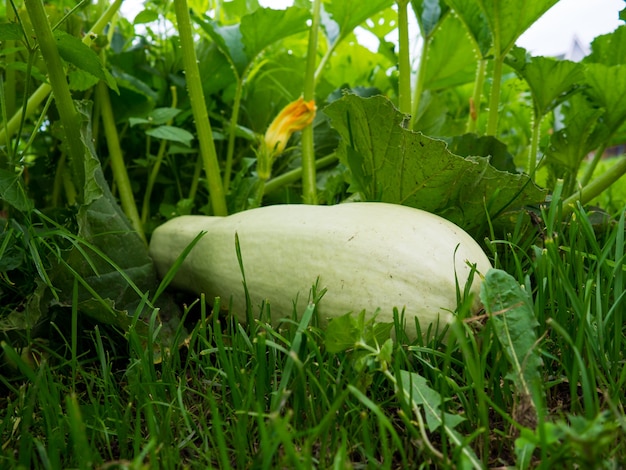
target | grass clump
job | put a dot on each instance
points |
(257, 396)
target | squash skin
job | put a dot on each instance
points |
(368, 255)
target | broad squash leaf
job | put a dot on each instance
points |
(397, 165)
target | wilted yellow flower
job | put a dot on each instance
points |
(293, 117)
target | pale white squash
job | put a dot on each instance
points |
(367, 255)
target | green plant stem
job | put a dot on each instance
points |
(534, 145)
(404, 61)
(198, 107)
(596, 187)
(494, 98)
(479, 82)
(296, 174)
(597, 156)
(37, 97)
(419, 82)
(193, 189)
(70, 118)
(309, 177)
(120, 175)
(232, 130)
(154, 172)
(10, 85)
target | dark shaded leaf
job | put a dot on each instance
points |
(13, 192)
(175, 134)
(77, 53)
(11, 32)
(469, 145)
(511, 311)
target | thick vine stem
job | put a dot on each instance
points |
(40, 94)
(472, 120)
(120, 175)
(494, 98)
(70, 118)
(198, 107)
(596, 187)
(404, 61)
(309, 176)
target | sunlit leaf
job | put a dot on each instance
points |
(509, 20)
(451, 58)
(242, 42)
(348, 14)
(429, 14)
(146, 16)
(550, 80)
(266, 26)
(609, 49)
(473, 17)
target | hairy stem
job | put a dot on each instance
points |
(494, 98)
(232, 130)
(472, 120)
(154, 172)
(419, 82)
(70, 118)
(534, 146)
(120, 175)
(404, 61)
(309, 177)
(198, 107)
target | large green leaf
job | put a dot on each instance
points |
(509, 20)
(609, 49)
(451, 58)
(76, 52)
(266, 26)
(577, 135)
(606, 85)
(241, 43)
(11, 32)
(228, 40)
(511, 312)
(429, 14)
(473, 17)
(348, 14)
(483, 146)
(393, 164)
(550, 80)
(107, 258)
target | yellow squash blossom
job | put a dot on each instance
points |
(293, 117)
